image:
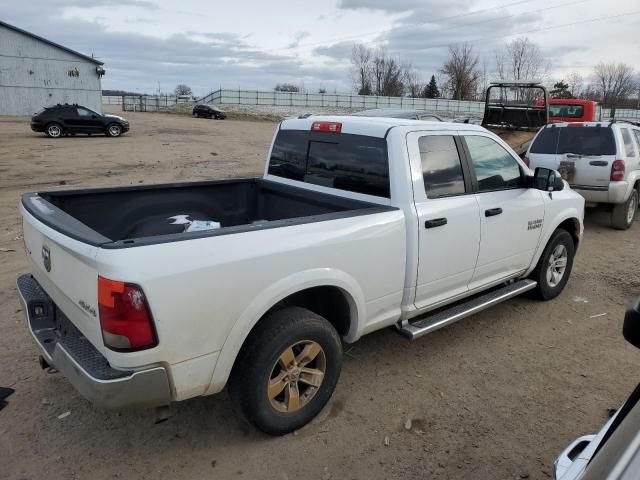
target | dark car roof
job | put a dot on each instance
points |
(394, 113)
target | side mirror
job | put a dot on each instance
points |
(547, 180)
(631, 326)
(93, 116)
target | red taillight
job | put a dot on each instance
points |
(328, 127)
(617, 171)
(525, 159)
(125, 318)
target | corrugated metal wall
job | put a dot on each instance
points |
(34, 74)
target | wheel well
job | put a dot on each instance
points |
(331, 303)
(572, 225)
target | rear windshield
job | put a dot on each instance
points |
(356, 163)
(578, 140)
(566, 111)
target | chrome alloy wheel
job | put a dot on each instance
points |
(557, 265)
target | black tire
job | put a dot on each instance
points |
(195, 115)
(54, 130)
(113, 130)
(260, 357)
(624, 214)
(546, 288)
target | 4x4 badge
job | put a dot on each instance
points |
(46, 258)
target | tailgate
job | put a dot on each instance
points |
(66, 270)
(582, 153)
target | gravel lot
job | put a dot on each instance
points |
(496, 396)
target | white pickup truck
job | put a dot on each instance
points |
(356, 225)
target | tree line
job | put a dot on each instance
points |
(465, 75)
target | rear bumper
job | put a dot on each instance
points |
(615, 192)
(64, 347)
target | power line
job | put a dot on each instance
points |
(360, 35)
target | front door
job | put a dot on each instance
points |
(89, 121)
(511, 215)
(448, 216)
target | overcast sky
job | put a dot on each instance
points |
(256, 44)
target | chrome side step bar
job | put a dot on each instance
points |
(458, 311)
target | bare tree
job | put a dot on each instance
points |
(461, 71)
(386, 75)
(361, 68)
(412, 82)
(182, 89)
(521, 60)
(614, 81)
(576, 83)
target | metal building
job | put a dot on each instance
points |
(36, 73)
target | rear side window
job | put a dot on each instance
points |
(356, 163)
(578, 140)
(495, 168)
(441, 167)
(628, 142)
(637, 134)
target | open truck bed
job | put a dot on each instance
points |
(142, 215)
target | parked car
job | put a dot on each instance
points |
(614, 452)
(600, 160)
(208, 111)
(357, 224)
(400, 113)
(72, 119)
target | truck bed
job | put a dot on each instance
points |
(141, 215)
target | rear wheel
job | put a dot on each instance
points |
(195, 115)
(287, 370)
(54, 130)
(554, 266)
(114, 130)
(624, 214)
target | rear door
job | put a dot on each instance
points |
(449, 221)
(511, 215)
(582, 153)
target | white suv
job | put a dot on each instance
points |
(600, 160)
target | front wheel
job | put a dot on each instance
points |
(114, 130)
(287, 370)
(554, 266)
(54, 130)
(624, 213)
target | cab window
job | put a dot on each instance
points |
(495, 168)
(441, 166)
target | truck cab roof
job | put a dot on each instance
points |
(373, 126)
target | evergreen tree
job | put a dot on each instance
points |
(431, 89)
(560, 90)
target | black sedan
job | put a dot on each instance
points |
(72, 119)
(208, 111)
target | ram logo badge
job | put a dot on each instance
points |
(46, 258)
(533, 224)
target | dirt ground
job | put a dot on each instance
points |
(495, 396)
